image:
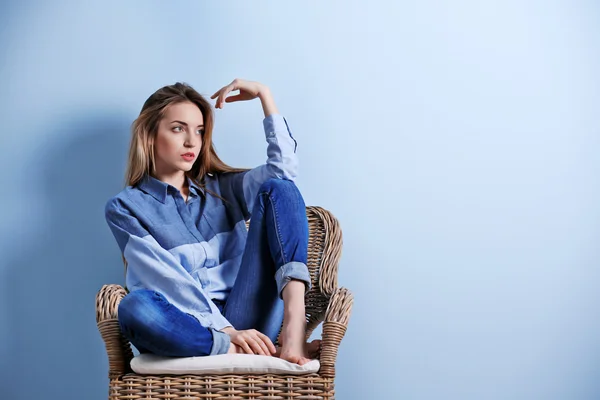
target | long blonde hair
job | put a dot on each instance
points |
(141, 162)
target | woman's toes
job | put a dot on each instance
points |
(303, 360)
(313, 348)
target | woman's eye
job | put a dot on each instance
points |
(177, 127)
(201, 131)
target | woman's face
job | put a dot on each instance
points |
(179, 132)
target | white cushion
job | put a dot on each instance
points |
(152, 364)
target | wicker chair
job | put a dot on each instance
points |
(325, 302)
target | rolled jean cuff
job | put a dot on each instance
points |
(289, 271)
(221, 342)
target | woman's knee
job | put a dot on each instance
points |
(137, 306)
(279, 185)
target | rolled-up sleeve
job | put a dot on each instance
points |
(150, 266)
(282, 163)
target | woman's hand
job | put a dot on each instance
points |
(251, 341)
(248, 90)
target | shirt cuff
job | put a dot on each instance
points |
(221, 342)
(295, 270)
(218, 321)
(274, 124)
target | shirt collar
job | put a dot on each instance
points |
(159, 189)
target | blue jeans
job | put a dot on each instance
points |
(275, 252)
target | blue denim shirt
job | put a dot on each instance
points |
(191, 252)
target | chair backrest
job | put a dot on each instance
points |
(324, 252)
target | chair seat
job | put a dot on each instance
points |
(222, 364)
(239, 376)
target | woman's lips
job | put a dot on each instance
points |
(187, 157)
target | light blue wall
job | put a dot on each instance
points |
(456, 142)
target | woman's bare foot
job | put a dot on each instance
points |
(311, 350)
(293, 347)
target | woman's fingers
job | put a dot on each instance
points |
(221, 90)
(248, 91)
(242, 343)
(219, 94)
(219, 102)
(256, 346)
(222, 93)
(263, 345)
(264, 341)
(237, 97)
(268, 343)
(255, 342)
(252, 341)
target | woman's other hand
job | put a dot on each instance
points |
(248, 90)
(251, 341)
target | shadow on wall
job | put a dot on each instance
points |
(53, 349)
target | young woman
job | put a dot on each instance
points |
(199, 282)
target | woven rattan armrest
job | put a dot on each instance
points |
(334, 328)
(117, 347)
